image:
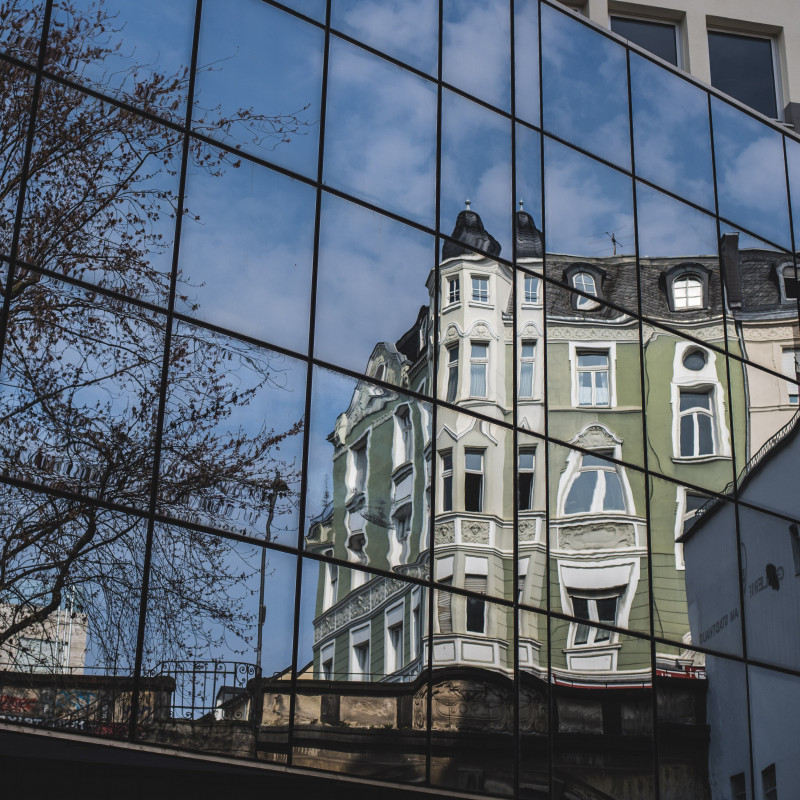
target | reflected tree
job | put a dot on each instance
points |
(81, 371)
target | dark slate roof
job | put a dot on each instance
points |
(529, 237)
(469, 230)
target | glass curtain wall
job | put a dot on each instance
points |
(403, 391)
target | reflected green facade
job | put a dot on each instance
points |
(310, 460)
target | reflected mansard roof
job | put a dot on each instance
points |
(469, 230)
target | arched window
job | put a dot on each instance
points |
(584, 282)
(687, 292)
(595, 488)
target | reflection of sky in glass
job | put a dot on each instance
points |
(669, 228)
(751, 181)
(380, 136)
(308, 607)
(793, 163)
(476, 49)
(671, 132)
(155, 38)
(586, 202)
(529, 173)
(476, 164)
(526, 57)
(246, 252)
(585, 87)
(746, 241)
(242, 45)
(311, 8)
(370, 282)
(405, 29)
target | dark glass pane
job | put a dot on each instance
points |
(743, 67)
(687, 435)
(579, 499)
(657, 37)
(476, 615)
(525, 491)
(695, 360)
(473, 492)
(695, 400)
(705, 432)
(613, 500)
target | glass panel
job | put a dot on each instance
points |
(526, 60)
(138, 53)
(16, 88)
(369, 489)
(585, 88)
(379, 266)
(69, 610)
(605, 732)
(476, 166)
(101, 195)
(79, 391)
(660, 38)
(408, 32)
(793, 166)
(246, 249)
(743, 67)
(589, 214)
(770, 575)
(529, 190)
(380, 133)
(594, 373)
(219, 629)
(533, 705)
(362, 690)
(703, 738)
(773, 730)
(476, 49)
(233, 436)
(695, 590)
(311, 8)
(750, 173)
(473, 709)
(273, 119)
(21, 29)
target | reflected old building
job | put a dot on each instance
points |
(307, 462)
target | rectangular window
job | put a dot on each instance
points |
(594, 607)
(473, 480)
(395, 640)
(444, 607)
(525, 466)
(480, 290)
(744, 67)
(476, 608)
(696, 423)
(452, 373)
(331, 583)
(453, 290)
(593, 378)
(531, 290)
(360, 660)
(790, 360)
(794, 537)
(406, 435)
(738, 790)
(416, 624)
(522, 572)
(447, 480)
(478, 362)
(527, 359)
(660, 38)
(360, 467)
(769, 783)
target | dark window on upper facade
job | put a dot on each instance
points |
(660, 38)
(744, 68)
(476, 608)
(769, 783)
(738, 790)
(473, 480)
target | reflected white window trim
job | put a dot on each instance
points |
(400, 535)
(453, 291)
(522, 574)
(358, 466)
(527, 368)
(526, 466)
(697, 415)
(452, 353)
(474, 469)
(790, 367)
(327, 655)
(446, 476)
(592, 382)
(403, 436)
(476, 579)
(531, 291)
(360, 668)
(787, 282)
(585, 282)
(481, 290)
(416, 632)
(393, 638)
(479, 369)
(595, 579)
(687, 503)
(331, 583)
(687, 292)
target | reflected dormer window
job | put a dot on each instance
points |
(584, 282)
(787, 280)
(587, 279)
(687, 292)
(686, 287)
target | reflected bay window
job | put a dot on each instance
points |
(696, 423)
(452, 372)
(525, 468)
(596, 487)
(359, 466)
(593, 378)
(446, 460)
(480, 289)
(527, 360)
(453, 290)
(473, 480)
(790, 367)
(394, 639)
(476, 570)
(359, 654)
(478, 362)
(531, 290)
(405, 435)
